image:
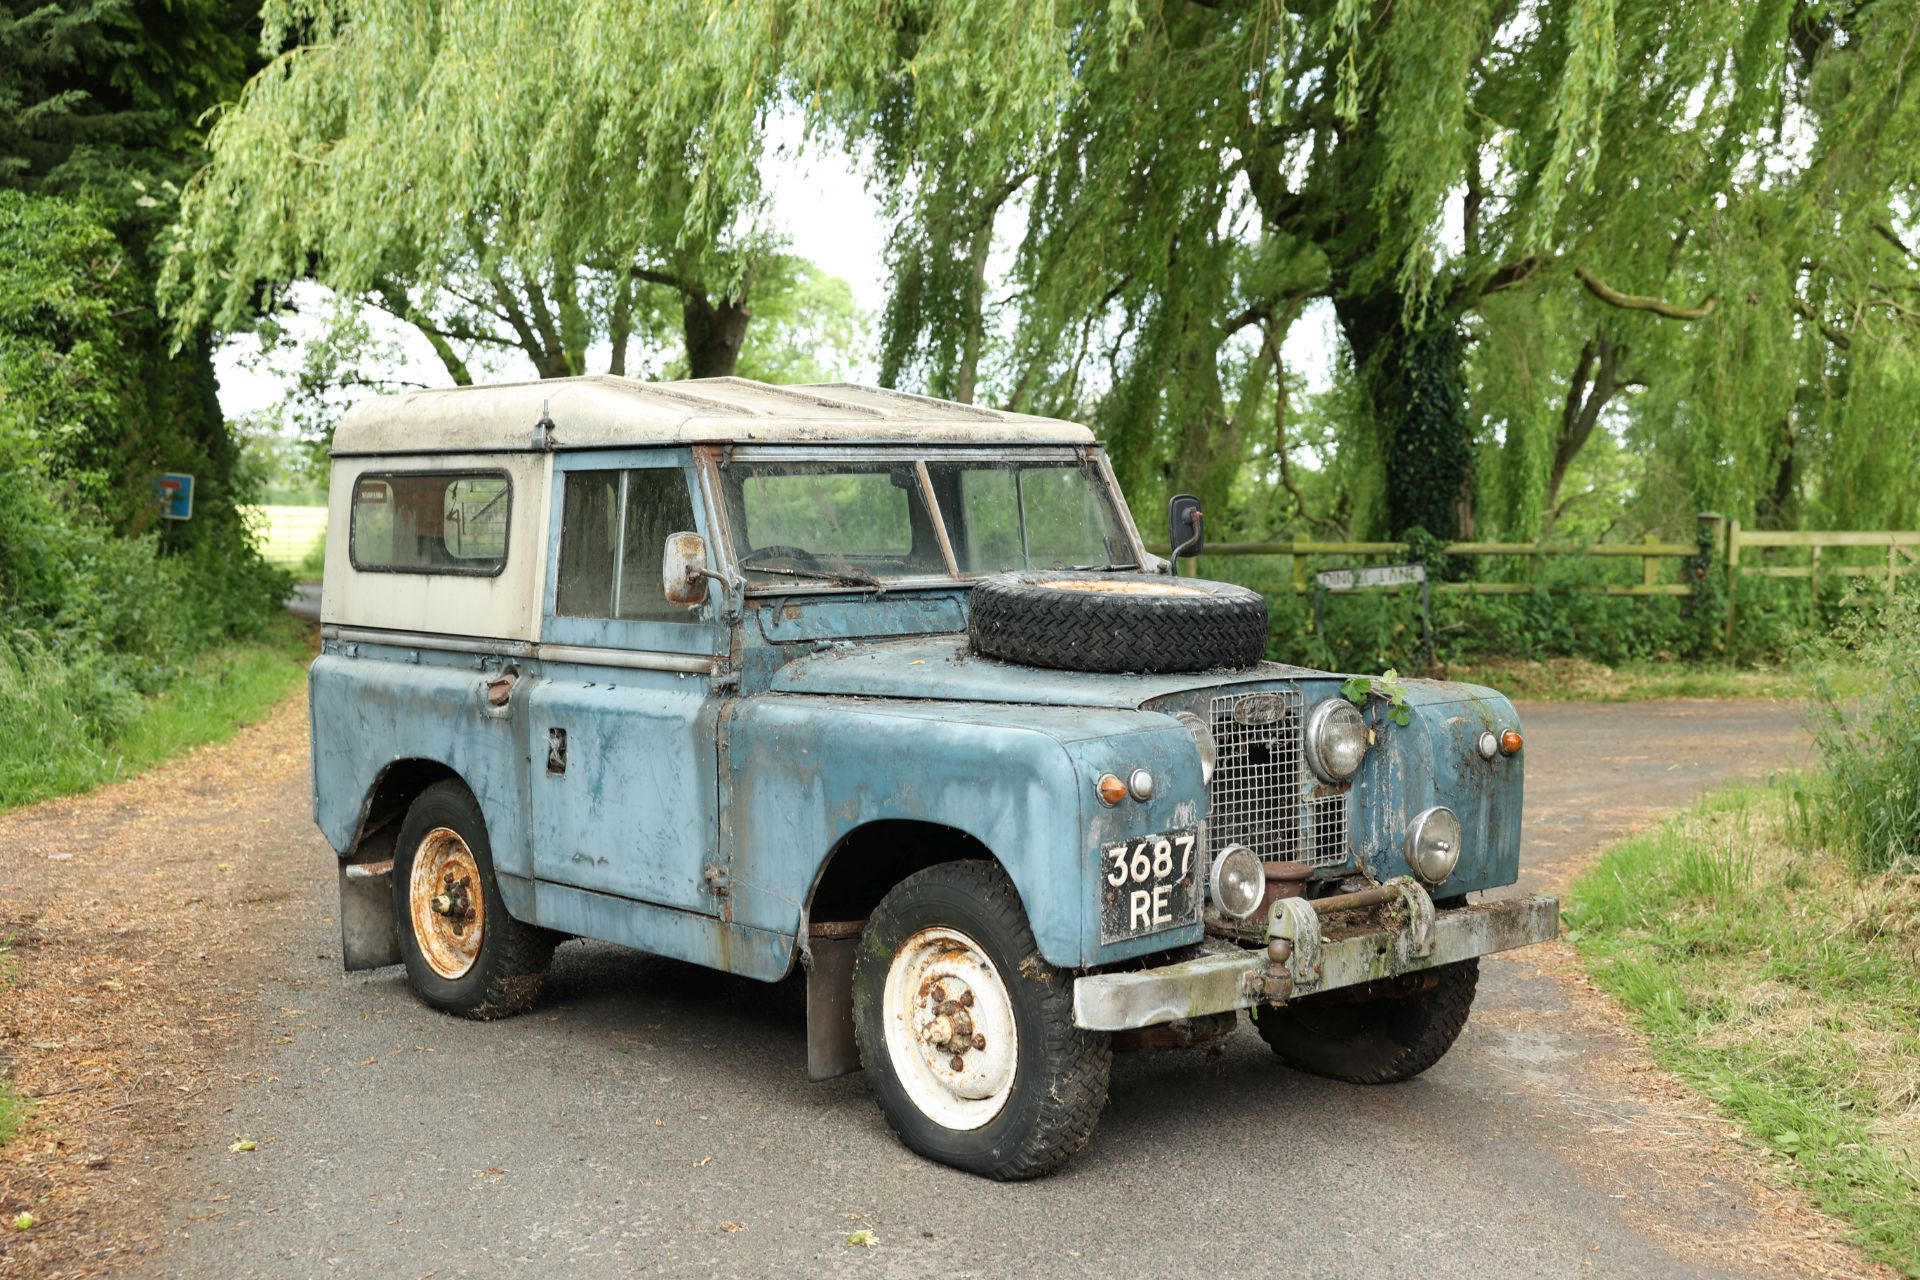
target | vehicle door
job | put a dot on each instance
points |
(623, 801)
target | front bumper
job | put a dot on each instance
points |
(1301, 959)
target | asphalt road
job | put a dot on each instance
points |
(652, 1118)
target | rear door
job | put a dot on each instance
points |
(624, 729)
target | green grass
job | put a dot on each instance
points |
(1577, 680)
(52, 751)
(13, 1105)
(1782, 988)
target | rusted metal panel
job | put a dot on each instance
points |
(1219, 980)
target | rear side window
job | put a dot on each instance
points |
(431, 522)
(612, 533)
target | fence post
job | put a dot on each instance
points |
(1650, 565)
(1299, 574)
(1733, 574)
(1813, 575)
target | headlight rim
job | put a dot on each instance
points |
(1202, 733)
(1316, 724)
(1417, 828)
(1218, 870)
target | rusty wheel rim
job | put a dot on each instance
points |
(445, 902)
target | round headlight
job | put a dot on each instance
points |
(1433, 844)
(1336, 739)
(1203, 739)
(1237, 882)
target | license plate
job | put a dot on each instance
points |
(1149, 884)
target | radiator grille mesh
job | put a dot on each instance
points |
(1261, 795)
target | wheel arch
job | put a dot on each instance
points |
(386, 803)
(865, 863)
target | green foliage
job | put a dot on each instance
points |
(69, 721)
(1360, 690)
(98, 606)
(1868, 800)
(1780, 986)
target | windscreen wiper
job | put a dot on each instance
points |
(839, 577)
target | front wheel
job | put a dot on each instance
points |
(464, 954)
(1388, 1038)
(967, 1034)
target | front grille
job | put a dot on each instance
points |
(1263, 795)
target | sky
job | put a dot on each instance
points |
(816, 199)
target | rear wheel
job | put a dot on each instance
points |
(1388, 1038)
(967, 1034)
(464, 954)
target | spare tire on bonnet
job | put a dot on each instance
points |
(1090, 621)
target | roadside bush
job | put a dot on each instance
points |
(101, 602)
(1867, 799)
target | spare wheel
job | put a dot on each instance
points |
(1088, 621)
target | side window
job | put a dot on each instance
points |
(613, 527)
(431, 522)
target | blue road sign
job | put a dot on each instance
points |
(174, 492)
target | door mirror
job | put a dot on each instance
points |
(683, 569)
(1183, 527)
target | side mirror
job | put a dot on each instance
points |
(683, 569)
(1183, 528)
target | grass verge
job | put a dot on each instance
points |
(1578, 680)
(13, 1105)
(214, 695)
(1781, 987)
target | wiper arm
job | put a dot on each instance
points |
(839, 577)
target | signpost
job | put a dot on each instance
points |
(174, 493)
(1343, 581)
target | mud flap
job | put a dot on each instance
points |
(367, 936)
(831, 1050)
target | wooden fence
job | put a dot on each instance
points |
(1722, 545)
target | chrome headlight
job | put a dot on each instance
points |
(1203, 739)
(1337, 740)
(1237, 882)
(1433, 844)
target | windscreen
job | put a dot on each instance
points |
(1029, 515)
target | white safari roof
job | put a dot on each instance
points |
(603, 410)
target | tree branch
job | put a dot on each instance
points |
(394, 301)
(1641, 302)
(1833, 335)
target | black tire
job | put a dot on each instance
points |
(1059, 1081)
(1378, 1041)
(506, 974)
(1117, 622)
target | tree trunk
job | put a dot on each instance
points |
(714, 334)
(1415, 383)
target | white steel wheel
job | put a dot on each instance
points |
(950, 1029)
(966, 1032)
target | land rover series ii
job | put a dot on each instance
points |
(887, 688)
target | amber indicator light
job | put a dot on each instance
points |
(1510, 742)
(1112, 790)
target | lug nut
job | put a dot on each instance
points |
(966, 999)
(939, 995)
(979, 1042)
(959, 1063)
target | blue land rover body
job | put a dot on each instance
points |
(687, 668)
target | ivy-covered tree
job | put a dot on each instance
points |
(1703, 177)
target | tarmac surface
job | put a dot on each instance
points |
(650, 1117)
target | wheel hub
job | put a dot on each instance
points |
(950, 1028)
(444, 902)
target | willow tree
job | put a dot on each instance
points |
(1192, 174)
(524, 177)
